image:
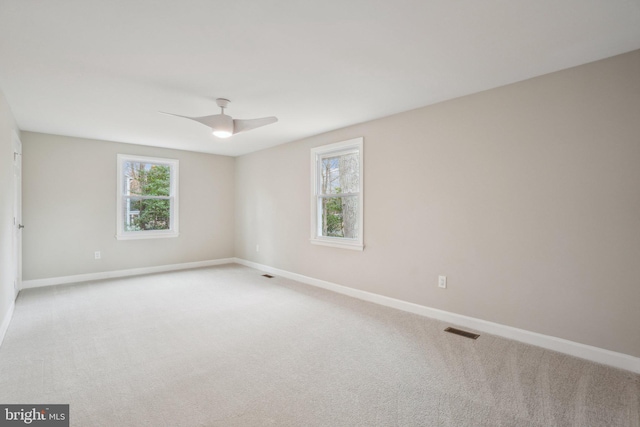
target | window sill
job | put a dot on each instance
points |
(355, 246)
(137, 235)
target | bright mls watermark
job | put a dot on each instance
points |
(34, 415)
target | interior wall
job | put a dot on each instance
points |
(7, 257)
(526, 197)
(69, 208)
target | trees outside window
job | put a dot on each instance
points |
(147, 197)
(337, 194)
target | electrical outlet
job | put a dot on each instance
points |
(257, 248)
(442, 281)
(97, 255)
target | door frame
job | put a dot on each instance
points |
(17, 213)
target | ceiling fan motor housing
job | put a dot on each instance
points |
(221, 124)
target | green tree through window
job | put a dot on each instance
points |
(147, 206)
(336, 207)
(152, 213)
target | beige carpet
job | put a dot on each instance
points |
(224, 346)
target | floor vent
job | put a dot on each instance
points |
(462, 333)
(268, 276)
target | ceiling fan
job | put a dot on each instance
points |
(224, 126)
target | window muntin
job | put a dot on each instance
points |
(147, 197)
(337, 194)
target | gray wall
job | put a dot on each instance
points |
(69, 208)
(7, 257)
(526, 196)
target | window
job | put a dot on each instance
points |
(336, 201)
(147, 197)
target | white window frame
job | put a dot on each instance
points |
(317, 153)
(121, 234)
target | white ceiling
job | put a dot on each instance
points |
(103, 69)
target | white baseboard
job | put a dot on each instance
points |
(6, 320)
(594, 354)
(37, 283)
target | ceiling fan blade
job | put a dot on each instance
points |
(244, 125)
(205, 120)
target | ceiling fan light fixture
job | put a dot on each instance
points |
(222, 126)
(222, 133)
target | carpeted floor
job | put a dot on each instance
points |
(224, 346)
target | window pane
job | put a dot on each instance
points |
(339, 217)
(146, 179)
(146, 214)
(340, 174)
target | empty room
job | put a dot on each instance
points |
(336, 213)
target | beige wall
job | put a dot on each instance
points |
(527, 197)
(69, 200)
(7, 257)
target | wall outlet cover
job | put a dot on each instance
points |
(442, 281)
